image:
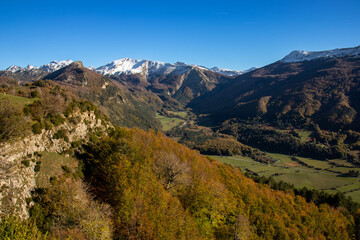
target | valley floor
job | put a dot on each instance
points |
(314, 174)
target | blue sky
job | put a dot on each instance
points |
(228, 34)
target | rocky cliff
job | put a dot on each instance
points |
(18, 159)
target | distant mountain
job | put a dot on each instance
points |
(180, 82)
(32, 73)
(130, 109)
(129, 66)
(228, 72)
(151, 68)
(304, 87)
(133, 66)
(75, 74)
(55, 65)
(50, 67)
(299, 56)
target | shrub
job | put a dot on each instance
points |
(39, 83)
(62, 133)
(75, 120)
(13, 123)
(66, 169)
(56, 119)
(14, 228)
(35, 94)
(37, 127)
(37, 166)
(48, 125)
(76, 144)
(66, 208)
(38, 154)
(26, 163)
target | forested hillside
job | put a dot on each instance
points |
(119, 183)
(321, 91)
(161, 189)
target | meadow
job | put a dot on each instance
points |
(314, 174)
(22, 101)
(170, 122)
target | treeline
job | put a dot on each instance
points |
(227, 146)
(343, 141)
(311, 195)
(209, 142)
(273, 140)
(318, 197)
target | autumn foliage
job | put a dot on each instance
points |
(159, 189)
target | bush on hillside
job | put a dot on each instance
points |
(13, 123)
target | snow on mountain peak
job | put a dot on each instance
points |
(130, 66)
(299, 56)
(50, 67)
(13, 68)
(55, 65)
(29, 67)
(226, 72)
(133, 66)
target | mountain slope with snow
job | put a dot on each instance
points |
(55, 65)
(146, 67)
(300, 56)
(130, 66)
(50, 67)
(133, 66)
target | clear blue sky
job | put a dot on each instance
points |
(228, 34)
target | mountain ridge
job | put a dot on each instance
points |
(300, 55)
(129, 66)
(323, 91)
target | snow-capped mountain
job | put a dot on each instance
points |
(299, 56)
(14, 68)
(133, 66)
(55, 65)
(229, 72)
(50, 67)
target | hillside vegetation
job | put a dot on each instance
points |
(160, 189)
(89, 179)
(323, 92)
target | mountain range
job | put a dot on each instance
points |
(318, 87)
(129, 66)
(303, 87)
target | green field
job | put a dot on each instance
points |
(305, 135)
(299, 175)
(182, 114)
(344, 169)
(18, 100)
(316, 163)
(341, 162)
(168, 122)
